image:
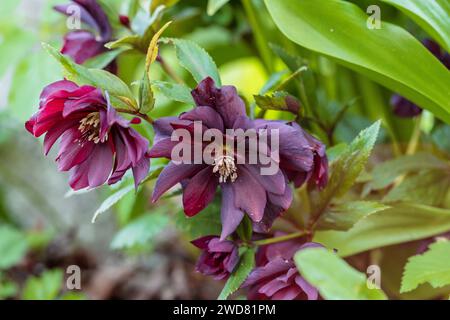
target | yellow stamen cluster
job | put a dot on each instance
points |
(90, 128)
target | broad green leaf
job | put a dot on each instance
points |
(279, 100)
(45, 287)
(346, 169)
(126, 42)
(146, 99)
(140, 231)
(196, 60)
(338, 29)
(8, 289)
(243, 269)
(385, 173)
(429, 187)
(398, 224)
(101, 61)
(13, 246)
(440, 137)
(205, 223)
(344, 216)
(433, 267)
(174, 91)
(215, 5)
(120, 93)
(333, 277)
(432, 16)
(111, 200)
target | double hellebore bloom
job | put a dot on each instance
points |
(402, 106)
(219, 258)
(244, 187)
(97, 145)
(81, 45)
(276, 276)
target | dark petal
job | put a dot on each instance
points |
(288, 293)
(58, 86)
(249, 194)
(202, 243)
(283, 201)
(205, 93)
(199, 192)
(163, 148)
(29, 125)
(276, 183)
(270, 270)
(171, 175)
(230, 215)
(433, 47)
(229, 105)
(232, 260)
(74, 155)
(271, 287)
(208, 116)
(163, 128)
(79, 176)
(55, 132)
(320, 173)
(308, 289)
(82, 45)
(216, 245)
(100, 165)
(90, 100)
(140, 170)
(404, 108)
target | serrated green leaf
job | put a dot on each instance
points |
(215, 5)
(195, 60)
(45, 287)
(174, 91)
(338, 29)
(279, 100)
(433, 267)
(432, 16)
(120, 94)
(111, 200)
(13, 246)
(243, 269)
(344, 216)
(333, 277)
(400, 223)
(101, 61)
(140, 231)
(205, 223)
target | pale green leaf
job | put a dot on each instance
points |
(174, 91)
(45, 287)
(215, 5)
(13, 246)
(111, 200)
(333, 277)
(146, 99)
(433, 267)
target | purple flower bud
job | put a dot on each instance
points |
(219, 258)
(276, 276)
(97, 145)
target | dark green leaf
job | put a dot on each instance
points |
(146, 99)
(279, 100)
(174, 91)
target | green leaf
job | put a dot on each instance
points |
(174, 91)
(338, 29)
(400, 223)
(205, 223)
(45, 287)
(385, 173)
(195, 60)
(126, 42)
(440, 137)
(345, 215)
(243, 269)
(8, 289)
(111, 200)
(215, 5)
(346, 169)
(432, 16)
(140, 231)
(13, 246)
(333, 277)
(433, 267)
(429, 187)
(120, 93)
(245, 229)
(101, 61)
(146, 99)
(279, 100)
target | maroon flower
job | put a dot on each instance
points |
(97, 144)
(219, 258)
(402, 106)
(82, 45)
(276, 276)
(244, 188)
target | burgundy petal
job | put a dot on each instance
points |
(199, 192)
(230, 215)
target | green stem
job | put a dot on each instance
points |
(415, 137)
(280, 239)
(261, 42)
(136, 113)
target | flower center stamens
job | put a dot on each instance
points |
(90, 129)
(226, 168)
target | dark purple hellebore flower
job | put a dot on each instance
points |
(244, 189)
(276, 276)
(82, 45)
(97, 145)
(219, 258)
(402, 106)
